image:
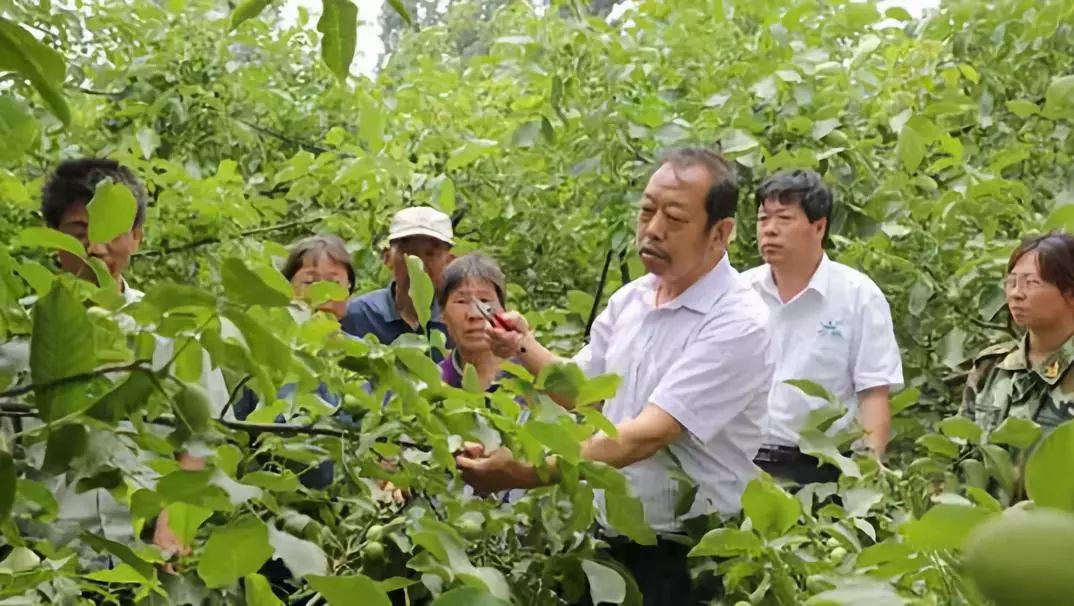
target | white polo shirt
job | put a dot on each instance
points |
(838, 333)
(705, 358)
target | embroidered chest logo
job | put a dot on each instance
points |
(1052, 370)
(830, 328)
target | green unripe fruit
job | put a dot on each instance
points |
(373, 550)
(832, 543)
(192, 407)
(1023, 558)
(837, 555)
(375, 532)
(468, 528)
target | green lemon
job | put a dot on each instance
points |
(1023, 558)
(192, 407)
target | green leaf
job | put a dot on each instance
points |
(626, 516)
(813, 389)
(605, 584)
(910, 148)
(400, 9)
(246, 10)
(23, 54)
(727, 542)
(1019, 433)
(259, 592)
(470, 152)
(943, 526)
(771, 510)
(111, 212)
(126, 398)
(598, 389)
(61, 346)
(1059, 98)
(998, 462)
(344, 591)
(38, 493)
(301, 557)
(556, 438)
(7, 485)
(18, 129)
(46, 237)
(185, 519)
(961, 427)
(940, 445)
(468, 596)
(421, 289)
(858, 591)
(1022, 108)
(19, 560)
(124, 553)
(825, 448)
(65, 443)
(234, 551)
(1048, 479)
(246, 286)
(904, 399)
(735, 141)
(339, 28)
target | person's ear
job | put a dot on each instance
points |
(386, 255)
(821, 226)
(723, 231)
(136, 237)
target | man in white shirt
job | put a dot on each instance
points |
(831, 323)
(691, 342)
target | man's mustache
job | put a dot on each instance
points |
(651, 249)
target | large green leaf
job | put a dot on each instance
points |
(111, 212)
(339, 28)
(468, 596)
(421, 289)
(1059, 98)
(771, 510)
(121, 551)
(346, 590)
(605, 584)
(910, 149)
(234, 551)
(301, 557)
(23, 54)
(944, 526)
(61, 346)
(727, 542)
(45, 237)
(259, 592)
(18, 129)
(65, 443)
(247, 287)
(185, 519)
(1020, 433)
(1048, 479)
(246, 10)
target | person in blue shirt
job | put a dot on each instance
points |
(321, 258)
(389, 312)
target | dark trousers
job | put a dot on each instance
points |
(789, 463)
(661, 572)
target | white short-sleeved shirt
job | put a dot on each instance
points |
(704, 358)
(837, 333)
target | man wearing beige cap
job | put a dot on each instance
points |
(388, 313)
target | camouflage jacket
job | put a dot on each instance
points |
(1002, 384)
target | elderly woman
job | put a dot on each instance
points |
(1031, 378)
(468, 282)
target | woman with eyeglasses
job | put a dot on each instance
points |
(1031, 378)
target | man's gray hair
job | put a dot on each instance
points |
(472, 266)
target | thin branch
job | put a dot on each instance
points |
(217, 239)
(25, 389)
(233, 395)
(306, 145)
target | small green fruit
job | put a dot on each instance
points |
(1023, 558)
(832, 543)
(836, 556)
(192, 407)
(373, 550)
(469, 528)
(375, 532)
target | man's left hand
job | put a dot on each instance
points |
(494, 472)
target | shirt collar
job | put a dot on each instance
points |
(385, 306)
(1053, 367)
(702, 294)
(818, 282)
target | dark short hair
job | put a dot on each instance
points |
(803, 187)
(1055, 258)
(472, 266)
(75, 182)
(328, 245)
(721, 201)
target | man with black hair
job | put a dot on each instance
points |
(65, 197)
(691, 341)
(831, 323)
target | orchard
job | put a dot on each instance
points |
(945, 139)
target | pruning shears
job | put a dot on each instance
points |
(493, 318)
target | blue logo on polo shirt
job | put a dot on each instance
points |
(830, 328)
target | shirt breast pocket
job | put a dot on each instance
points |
(828, 363)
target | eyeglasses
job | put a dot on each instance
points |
(1024, 282)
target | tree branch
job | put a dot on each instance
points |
(25, 389)
(216, 239)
